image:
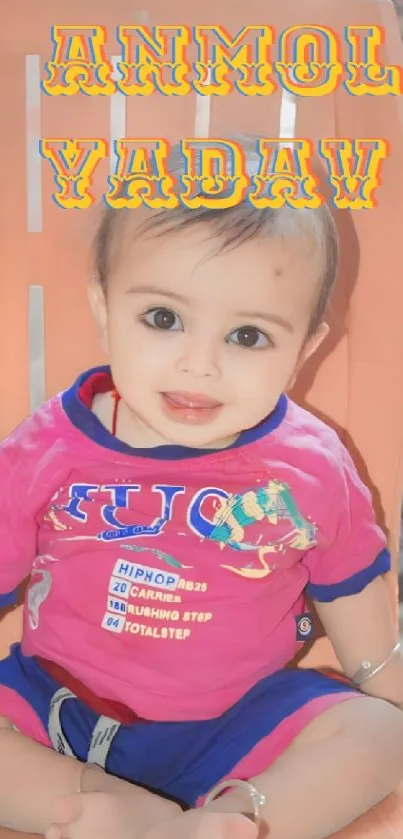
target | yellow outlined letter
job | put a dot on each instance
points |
(154, 60)
(354, 170)
(285, 175)
(216, 169)
(309, 60)
(367, 73)
(141, 175)
(78, 62)
(74, 162)
(248, 54)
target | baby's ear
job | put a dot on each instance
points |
(96, 297)
(311, 345)
(314, 341)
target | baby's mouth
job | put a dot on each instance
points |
(198, 401)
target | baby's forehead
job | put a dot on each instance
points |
(194, 264)
(292, 234)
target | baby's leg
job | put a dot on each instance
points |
(35, 778)
(31, 777)
(322, 754)
(345, 762)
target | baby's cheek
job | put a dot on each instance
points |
(258, 396)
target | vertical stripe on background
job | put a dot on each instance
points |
(203, 112)
(117, 119)
(33, 136)
(288, 116)
(36, 347)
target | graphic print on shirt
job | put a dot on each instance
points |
(238, 531)
(272, 503)
(39, 588)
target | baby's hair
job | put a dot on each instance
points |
(231, 227)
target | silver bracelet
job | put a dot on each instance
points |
(367, 670)
(257, 799)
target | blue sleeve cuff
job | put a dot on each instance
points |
(354, 584)
(9, 599)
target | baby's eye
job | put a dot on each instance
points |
(161, 318)
(250, 337)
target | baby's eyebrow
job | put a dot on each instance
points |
(270, 318)
(161, 292)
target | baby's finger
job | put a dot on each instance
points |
(58, 831)
(239, 827)
(67, 809)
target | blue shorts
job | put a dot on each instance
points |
(181, 760)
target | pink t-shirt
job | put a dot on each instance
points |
(170, 579)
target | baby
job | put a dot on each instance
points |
(178, 510)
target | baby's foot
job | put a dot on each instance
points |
(103, 814)
(201, 824)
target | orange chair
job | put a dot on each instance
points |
(46, 334)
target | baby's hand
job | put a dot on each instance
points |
(105, 814)
(102, 815)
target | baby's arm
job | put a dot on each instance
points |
(20, 500)
(347, 579)
(362, 628)
(35, 780)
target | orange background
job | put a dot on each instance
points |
(356, 382)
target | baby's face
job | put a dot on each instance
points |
(202, 344)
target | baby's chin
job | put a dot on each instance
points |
(196, 438)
